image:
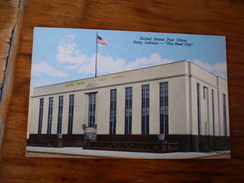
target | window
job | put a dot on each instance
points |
(204, 92)
(92, 110)
(213, 112)
(145, 109)
(71, 113)
(164, 129)
(50, 115)
(198, 109)
(40, 115)
(128, 110)
(113, 103)
(60, 114)
(224, 115)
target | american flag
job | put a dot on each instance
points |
(101, 40)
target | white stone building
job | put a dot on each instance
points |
(180, 102)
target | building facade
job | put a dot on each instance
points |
(179, 103)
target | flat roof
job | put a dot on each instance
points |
(142, 68)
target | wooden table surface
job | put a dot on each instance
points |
(214, 17)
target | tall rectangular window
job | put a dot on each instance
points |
(128, 110)
(204, 92)
(50, 115)
(164, 126)
(71, 114)
(145, 109)
(224, 115)
(113, 109)
(198, 109)
(40, 115)
(207, 122)
(213, 112)
(60, 114)
(92, 110)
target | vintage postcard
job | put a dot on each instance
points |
(125, 94)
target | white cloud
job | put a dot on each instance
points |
(219, 68)
(107, 64)
(43, 68)
(154, 59)
(69, 53)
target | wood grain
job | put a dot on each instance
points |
(216, 17)
(11, 15)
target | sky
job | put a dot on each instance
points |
(64, 54)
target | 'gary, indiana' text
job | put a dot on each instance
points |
(162, 41)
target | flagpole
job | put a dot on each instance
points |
(96, 58)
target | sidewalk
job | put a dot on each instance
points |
(78, 151)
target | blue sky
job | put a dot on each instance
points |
(62, 54)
